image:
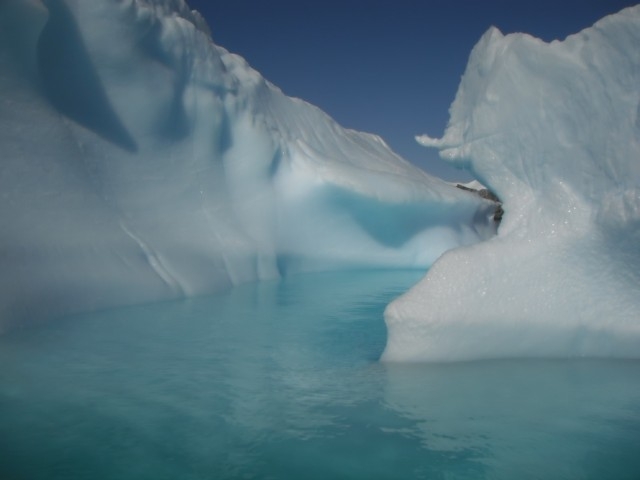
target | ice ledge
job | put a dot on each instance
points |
(552, 129)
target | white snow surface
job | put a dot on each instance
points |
(141, 162)
(554, 130)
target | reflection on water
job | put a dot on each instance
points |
(526, 419)
(281, 380)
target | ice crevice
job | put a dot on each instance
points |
(157, 264)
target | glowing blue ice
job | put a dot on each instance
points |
(142, 162)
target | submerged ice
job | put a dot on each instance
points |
(142, 162)
(554, 130)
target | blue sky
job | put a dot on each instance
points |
(382, 66)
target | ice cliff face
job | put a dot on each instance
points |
(140, 162)
(554, 130)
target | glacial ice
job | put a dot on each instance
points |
(141, 162)
(554, 130)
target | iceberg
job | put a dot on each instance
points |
(554, 130)
(141, 162)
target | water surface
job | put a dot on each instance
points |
(280, 380)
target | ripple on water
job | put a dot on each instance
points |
(281, 380)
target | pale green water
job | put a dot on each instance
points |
(281, 380)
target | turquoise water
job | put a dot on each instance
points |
(280, 380)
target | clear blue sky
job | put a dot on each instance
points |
(389, 67)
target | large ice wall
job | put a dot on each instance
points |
(554, 130)
(140, 162)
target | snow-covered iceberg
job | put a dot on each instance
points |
(141, 162)
(554, 130)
